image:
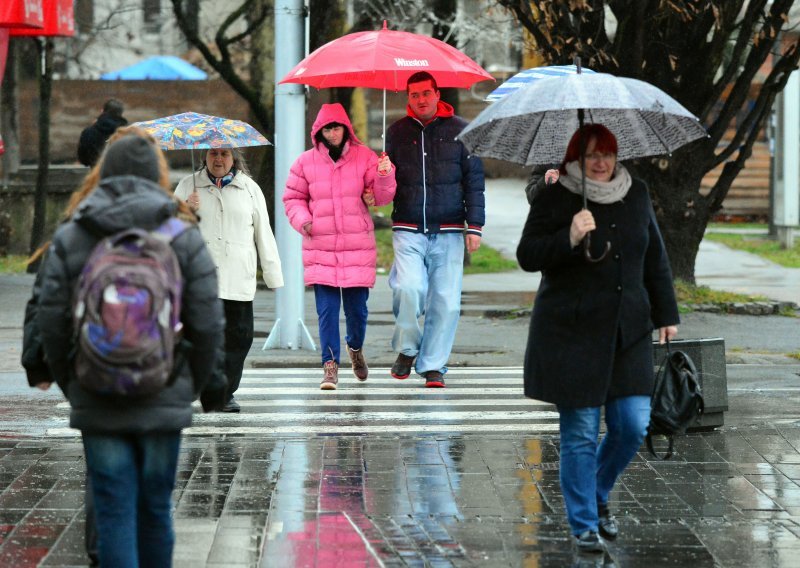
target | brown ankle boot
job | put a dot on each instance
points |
(330, 376)
(360, 369)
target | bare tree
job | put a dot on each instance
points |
(707, 54)
(246, 29)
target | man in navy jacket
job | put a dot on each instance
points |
(439, 205)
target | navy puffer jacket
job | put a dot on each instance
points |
(118, 203)
(439, 184)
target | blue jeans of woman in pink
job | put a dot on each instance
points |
(329, 300)
(588, 469)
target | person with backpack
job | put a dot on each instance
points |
(590, 340)
(235, 224)
(328, 193)
(126, 246)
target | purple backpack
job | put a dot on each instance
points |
(126, 312)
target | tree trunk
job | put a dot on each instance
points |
(9, 112)
(262, 74)
(45, 47)
(681, 212)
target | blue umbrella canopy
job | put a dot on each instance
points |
(158, 68)
(190, 130)
(528, 76)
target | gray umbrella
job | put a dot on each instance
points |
(534, 124)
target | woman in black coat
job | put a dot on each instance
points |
(590, 342)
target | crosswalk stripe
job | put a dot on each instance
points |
(406, 383)
(373, 371)
(289, 401)
(348, 429)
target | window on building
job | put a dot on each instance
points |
(152, 15)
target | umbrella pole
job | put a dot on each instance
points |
(383, 136)
(194, 181)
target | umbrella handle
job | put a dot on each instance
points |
(587, 249)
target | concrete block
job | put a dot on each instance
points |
(708, 356)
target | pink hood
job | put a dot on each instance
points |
(333, 113)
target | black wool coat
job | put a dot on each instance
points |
(590, 333)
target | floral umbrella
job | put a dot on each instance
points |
(191, 130)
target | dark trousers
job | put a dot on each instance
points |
(90, 528)
(238, 340)
(329, 300)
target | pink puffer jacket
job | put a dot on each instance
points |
(341, 249)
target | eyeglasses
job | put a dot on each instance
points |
(598, 156)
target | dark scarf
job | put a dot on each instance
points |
(224, 180)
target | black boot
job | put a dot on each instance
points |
(606, 523)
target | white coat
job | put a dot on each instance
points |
(235, 225)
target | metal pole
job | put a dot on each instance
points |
(786, 205)
(289, 331)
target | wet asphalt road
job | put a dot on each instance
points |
(463, 477)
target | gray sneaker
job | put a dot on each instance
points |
(330, 376)
(588, 541)
(360, 369)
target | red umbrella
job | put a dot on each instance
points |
(385, 59)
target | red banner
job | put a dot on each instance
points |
(3, 52)
(59, 20)
(21, 14)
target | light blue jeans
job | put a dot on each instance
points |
(132, 478)
(426, 281)
(588, 470)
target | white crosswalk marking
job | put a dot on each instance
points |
(289, 401)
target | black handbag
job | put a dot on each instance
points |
(677, 401)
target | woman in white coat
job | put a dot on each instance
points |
(235, 224)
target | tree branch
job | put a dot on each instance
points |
(755, 59)
(774, 83)
(719, 42)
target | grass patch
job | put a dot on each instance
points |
(691, 294)
(766, 248)
(13, 263)
(722, 226)
(484, 260)
(795, 355)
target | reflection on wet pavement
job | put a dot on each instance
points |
(730, 499)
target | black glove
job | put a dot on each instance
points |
(213, 400)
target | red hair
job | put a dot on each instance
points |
(606, 142)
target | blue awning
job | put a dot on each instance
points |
(158, 68)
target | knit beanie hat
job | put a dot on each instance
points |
(130, 156)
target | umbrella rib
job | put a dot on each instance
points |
(536, 133)
(655, 132)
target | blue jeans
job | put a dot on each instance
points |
(588, 472)
(328, 299)
(426, 281)
(132, 478)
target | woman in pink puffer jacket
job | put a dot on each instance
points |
(326, 198)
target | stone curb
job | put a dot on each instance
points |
(770, 308)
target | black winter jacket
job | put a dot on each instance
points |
(439, 184)
(93, 138)
(590, 334)
(118, 203)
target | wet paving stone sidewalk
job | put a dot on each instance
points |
(728, 499)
